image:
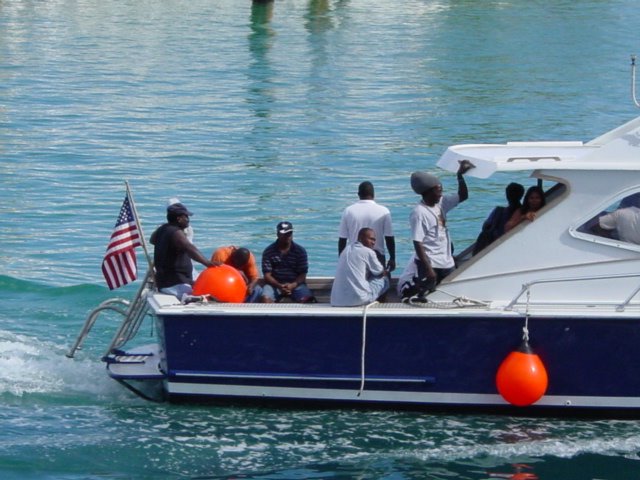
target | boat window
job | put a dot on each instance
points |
(619, 222)
(554, 192)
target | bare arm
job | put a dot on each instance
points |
(463, 191)
(271, 280)
(391, 247)
(515, 219)
(183, 242)
(422, 256)
(287, 288)
(342, 243)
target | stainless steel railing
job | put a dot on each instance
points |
(133, 312)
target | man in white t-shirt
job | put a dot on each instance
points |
(626, 222)
(433, 256)
(360, 277)
(367, 213)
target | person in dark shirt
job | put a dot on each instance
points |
(284, 268)
(533, 201)
(493, 226)
(173, 253)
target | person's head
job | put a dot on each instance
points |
(365, 191)
(514, 193)
(533, 200)
(367, 237)
(240, 257)
(428, 186)
(178, 214)
(284, 230)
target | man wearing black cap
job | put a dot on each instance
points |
(173, 253)
(284, 268)
(433, 257)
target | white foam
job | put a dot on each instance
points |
(29, 366)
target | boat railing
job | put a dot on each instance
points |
(133, 312)
(633, 81)
(526, 287)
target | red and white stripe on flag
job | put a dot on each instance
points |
(119, 266)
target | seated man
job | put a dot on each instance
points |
(284, 268)
(624, 221)
(242, 260)
(360, 277)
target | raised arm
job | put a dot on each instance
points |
(463, 191)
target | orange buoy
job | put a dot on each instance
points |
(223, 282)
(522, 379)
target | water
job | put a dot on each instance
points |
(251, 114)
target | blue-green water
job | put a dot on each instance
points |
(253, 113)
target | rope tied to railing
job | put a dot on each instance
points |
(525, 328)
(457, 301)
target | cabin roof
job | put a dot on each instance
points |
(618, 149)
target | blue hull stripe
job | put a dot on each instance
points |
(343, 378)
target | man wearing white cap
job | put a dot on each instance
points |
(284, 268)
(433, 257)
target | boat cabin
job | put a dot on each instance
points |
(559, 256)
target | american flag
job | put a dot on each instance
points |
(119, 265)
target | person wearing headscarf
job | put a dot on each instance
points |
(433, 254)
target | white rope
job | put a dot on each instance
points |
(364, 344)
(525, 328)
(456, 302)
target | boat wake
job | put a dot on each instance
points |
(31, 366)
(307, 443)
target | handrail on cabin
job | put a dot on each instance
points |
(633, 81)
(619, 308)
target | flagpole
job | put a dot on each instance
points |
(135, 214)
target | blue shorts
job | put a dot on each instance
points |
(179, 290)
(254, 297)
(379, 286)
(300, 294)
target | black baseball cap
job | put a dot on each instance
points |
(284, 227)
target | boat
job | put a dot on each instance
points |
(569, 293)
(553, 292)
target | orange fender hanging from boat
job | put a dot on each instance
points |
(223, 282)
(522, 378)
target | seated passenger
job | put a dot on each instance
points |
(360, 277)
(242, 260)
(533, 201)
(284, 268)
(493, 226)
(624, 221)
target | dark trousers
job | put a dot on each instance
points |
(427, 285)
